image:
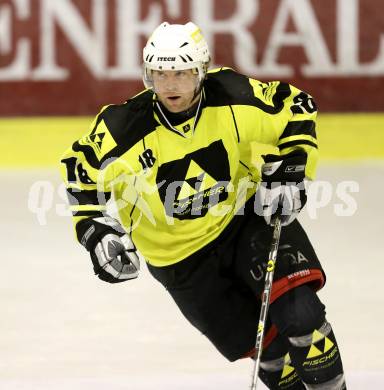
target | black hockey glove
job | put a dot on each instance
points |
(113, 254)
(282, 190)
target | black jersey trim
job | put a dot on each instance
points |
(296, 143)
(307, 127)
(243, 165)
(133, 209)
(163, 121)
(199, 110)
(84, 197)
(234, 121)
(137, 198)
(83, 213)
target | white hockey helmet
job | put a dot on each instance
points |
(175, 47)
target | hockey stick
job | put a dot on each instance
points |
(265, 300)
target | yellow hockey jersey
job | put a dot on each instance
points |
(176, 188)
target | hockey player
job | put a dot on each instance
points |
(183, 160)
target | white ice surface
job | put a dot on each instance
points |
(61, 328)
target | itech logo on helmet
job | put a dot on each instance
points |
(166, 58)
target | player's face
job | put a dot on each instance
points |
(175, 89)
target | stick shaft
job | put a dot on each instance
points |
(265, 301)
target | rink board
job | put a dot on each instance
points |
(39, 142)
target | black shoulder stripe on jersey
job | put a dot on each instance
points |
(82, 197)
(296, 143)
(93, 214)
(227, 87)
(234, 121)
(306, 127)
(128, 123)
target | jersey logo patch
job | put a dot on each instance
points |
(196, 180)
(194, 184)
(97, 139)
(100, 140)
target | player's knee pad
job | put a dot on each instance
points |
(317, 359)
(297, 312)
